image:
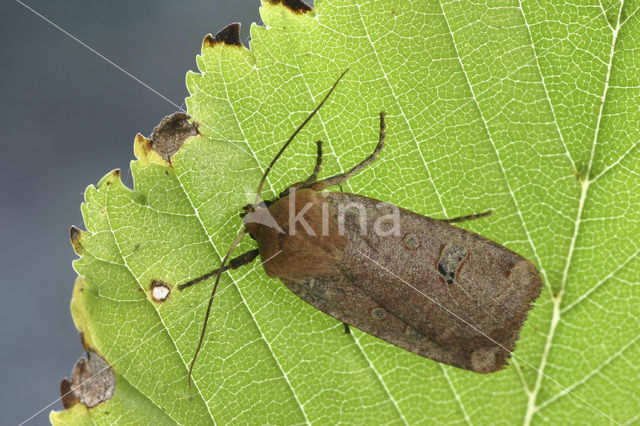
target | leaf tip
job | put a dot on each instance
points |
(296, 6)
(109, 179)
(145, 153)
(229, 35)
(141, 146)
(74, 235)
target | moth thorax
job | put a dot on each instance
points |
(256, 215)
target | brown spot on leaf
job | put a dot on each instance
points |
(74, 236)
(171, 133)
(69, 399)
(116, 174)
(160, 291)
(229, 35)
(296, 6)
(92, 382)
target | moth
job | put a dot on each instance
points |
(422, 284)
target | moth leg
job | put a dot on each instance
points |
(465, 218)
(338, 179)
(311, 179)
(347, 330)
(243, 259)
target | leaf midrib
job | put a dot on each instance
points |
(533, 407)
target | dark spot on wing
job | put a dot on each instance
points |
(447, 276)
(450, 260)
(411, 241)
(378, 313)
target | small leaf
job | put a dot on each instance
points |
(526, 109)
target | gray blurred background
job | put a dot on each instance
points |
(68, 117)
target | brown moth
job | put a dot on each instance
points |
(424, 285)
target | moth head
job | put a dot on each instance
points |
(255, 215)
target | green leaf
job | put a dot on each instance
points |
(528, 109)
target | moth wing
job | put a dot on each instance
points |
(340, 298)
(463, 292)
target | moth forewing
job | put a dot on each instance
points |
(461, 298)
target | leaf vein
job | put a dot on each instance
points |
(166, 329)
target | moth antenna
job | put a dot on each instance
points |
(237, 241)
(268, 169)
(213, 293)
